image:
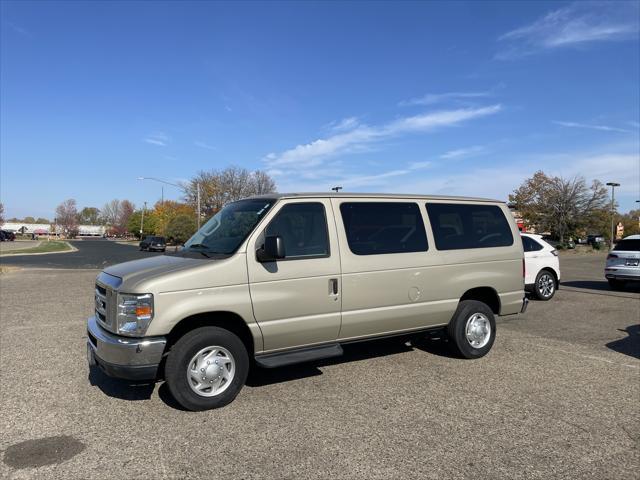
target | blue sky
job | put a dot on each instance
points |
(443, 98)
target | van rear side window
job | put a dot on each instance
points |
(459, 226)
(375, 228)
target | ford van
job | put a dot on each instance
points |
(280, 279)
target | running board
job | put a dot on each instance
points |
(281, 359)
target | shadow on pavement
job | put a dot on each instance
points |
(352, 353)
(629, 345)
(122, 389)
(601, 286)
(258, 377)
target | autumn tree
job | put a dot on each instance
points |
(631, 222)
(164, 212)
(559, 205)
(67, 217)
(148, 225)
(126, 210)
(219, 187)
(89, 216)
(180, 228)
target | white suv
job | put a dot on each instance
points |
(623, 262)
(542, 267)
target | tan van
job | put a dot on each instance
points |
(282, 279)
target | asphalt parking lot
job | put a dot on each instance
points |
(90, 254)
(557, 397)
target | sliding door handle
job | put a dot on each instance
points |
(333, 286)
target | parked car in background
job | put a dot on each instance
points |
(570, 244)
(152, 243)
(542, 266)
(7, 236)
(623, 263)
(595, 238)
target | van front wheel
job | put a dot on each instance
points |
(472, 330)
(206, 368)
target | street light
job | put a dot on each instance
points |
(142, 220)
(178, 186)
(613, 186)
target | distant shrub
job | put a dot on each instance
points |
(597, 245)
(560, 246)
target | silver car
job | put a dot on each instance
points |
(623, 262)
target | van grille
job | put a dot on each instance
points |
(105, 306)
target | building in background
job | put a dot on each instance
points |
(42, 229)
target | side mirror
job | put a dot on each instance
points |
(273, 249)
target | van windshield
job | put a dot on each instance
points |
(228, 228)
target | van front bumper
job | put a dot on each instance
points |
(123, 357)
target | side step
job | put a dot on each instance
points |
(281, 359)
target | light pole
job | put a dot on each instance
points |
(613, 186)
(180, 187)
(142, 220)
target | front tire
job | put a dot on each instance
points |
(545, 286)
(206, 368)
(472, 330)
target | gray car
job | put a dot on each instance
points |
(623, 262)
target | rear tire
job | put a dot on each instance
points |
(545, 286)
(191, 393)
(472, 330)
(616, 284)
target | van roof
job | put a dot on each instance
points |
(374, 195)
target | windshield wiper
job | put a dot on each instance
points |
(198, 246)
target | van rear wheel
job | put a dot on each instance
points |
(472, 330)
(206, 368)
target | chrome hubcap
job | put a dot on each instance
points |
(211, 371)
(546, 285)
(478, 330)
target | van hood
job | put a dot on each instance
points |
(144, 269)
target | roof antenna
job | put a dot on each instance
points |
(336, 189)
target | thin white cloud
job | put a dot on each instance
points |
(18, 29)
(635, 124)
(314, 153)
(204, 145)
(576, 24)
(420, 165)
(604, 128)
(159, 139)
(433, 98)
(344, 125)
(464, 152)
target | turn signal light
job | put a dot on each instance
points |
(612, 255)
(143, 311)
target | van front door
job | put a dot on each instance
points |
(297, 300)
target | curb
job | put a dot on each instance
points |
(70, 250)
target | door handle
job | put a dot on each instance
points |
(333, 286)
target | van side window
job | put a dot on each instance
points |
(457, 226)
(303, 228)
(375, 228)
(530, 245)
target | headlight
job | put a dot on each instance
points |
(134, 313)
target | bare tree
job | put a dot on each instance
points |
(217, 188)
(1, 213)
(559, 205)
(110, 212)
(67, 217)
